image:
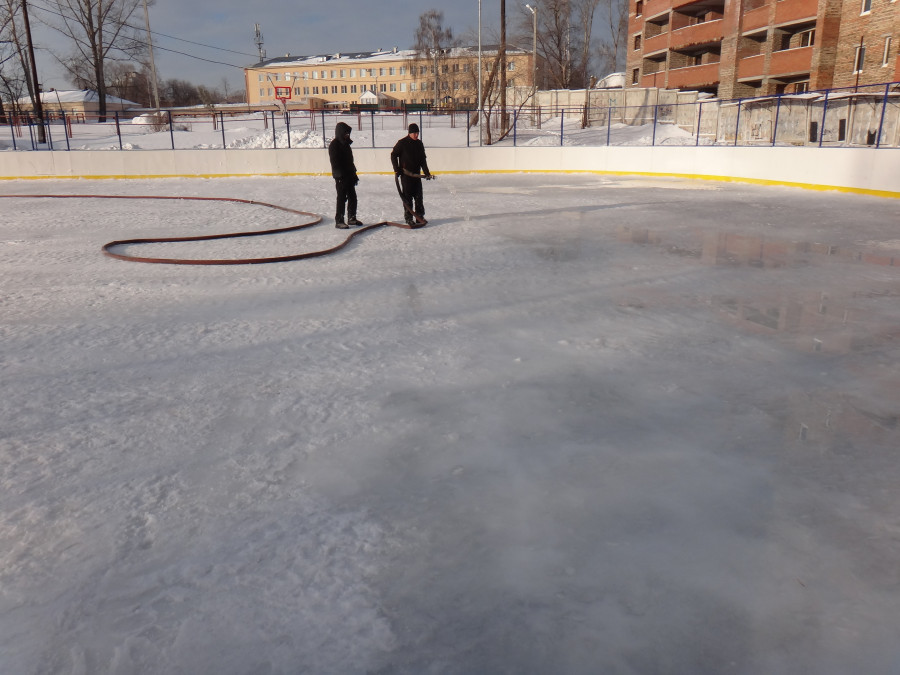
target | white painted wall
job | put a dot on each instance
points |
(854, 169)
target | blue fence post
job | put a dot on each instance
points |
(887, 89)
(118, 128)
(31, 132)
(12, 130)
(824, 111)
(62, 114)
(737, 122)
(468, 126)
(775, 126)
(515, 126)
(324, 132)
(274, 137)
(222, 123)
(171, 128)
(287, 124)
(609, 114)
(372, 125)
(655, 116)
(50, 135)
(562, 125)
(699, 116)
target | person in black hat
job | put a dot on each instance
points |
(409, 162)
(343, 170)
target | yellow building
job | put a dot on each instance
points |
(396, 78)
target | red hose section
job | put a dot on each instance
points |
(240, 261)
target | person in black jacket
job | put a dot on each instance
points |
(343, 170)
(409, 162)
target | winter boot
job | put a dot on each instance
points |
(354, 221)
(341, 225)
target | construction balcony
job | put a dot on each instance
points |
(656, 43)
(751, 66)
(708, 32)
(693, 76)
(795, 11)
(791, 61)
(755, 19)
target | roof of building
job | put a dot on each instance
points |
(377, 55)
(75, 96)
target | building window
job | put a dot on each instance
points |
(637, 42)
(860, 59)
(403, 86)
(808, 38)
(296, 91)
(511, 65)
(315, 90)
(343, 72)
(343, 88)
(866, 6)
(393, 70)
(801, 87)
(306, 91)
(638, 8)
(413, 86)
(887, 51)
(352, 88)
(382, 88)
(315, 74)
(262, 92)
(322, 74)
(635, 75)
(403, 70)
(381, 71)
(262, 77)
(393, 86)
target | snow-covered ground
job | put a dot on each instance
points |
(575, 425)
(255, 131)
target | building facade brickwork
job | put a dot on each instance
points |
(745, 48)
(391, 78)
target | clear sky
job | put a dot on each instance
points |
(287, 27)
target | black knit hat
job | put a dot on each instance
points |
(413, 128)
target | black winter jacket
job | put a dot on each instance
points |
(409, 154)
(341, 155)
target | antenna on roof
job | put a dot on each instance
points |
(258, 38)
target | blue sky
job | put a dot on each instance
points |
(287, 27)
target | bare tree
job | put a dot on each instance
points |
(100, 33)
(13, 59)
(611, 48)
(584, 14)
(432, 44)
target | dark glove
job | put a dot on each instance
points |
(428, 176)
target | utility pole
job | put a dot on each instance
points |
(258, 38)
(36, 87)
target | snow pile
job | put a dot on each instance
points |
(260, 140)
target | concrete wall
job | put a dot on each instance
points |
(860, 170)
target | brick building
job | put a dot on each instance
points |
(760, 47)
(393, 77)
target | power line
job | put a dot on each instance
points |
(171, 37)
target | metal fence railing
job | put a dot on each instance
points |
(863, 116)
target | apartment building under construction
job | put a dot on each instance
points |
(751, 48)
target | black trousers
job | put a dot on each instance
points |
(346, 197)
(412, 193)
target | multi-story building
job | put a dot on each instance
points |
(391, 78)
(745, 48)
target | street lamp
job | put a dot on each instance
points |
(533, 11)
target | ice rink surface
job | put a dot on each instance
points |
(578, 424)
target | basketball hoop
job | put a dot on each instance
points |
(283, 94)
